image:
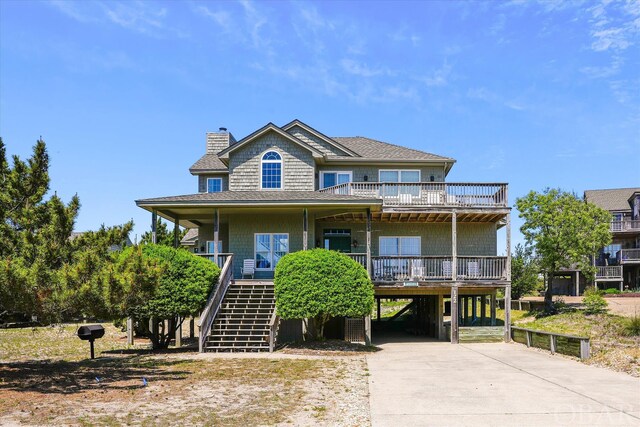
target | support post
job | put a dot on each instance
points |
(508, 232)
(216, 234)
(378, 316)
(507, 313)
(440, 316)
(474, 311)
(154, 222)
(130, 331)
(369, 264)
(483, 310)
(577, 283)
(305, 230)
(493, 308)
(176, 232)
(192, 328)
(454, 246)
(454, 314)
(367, 330)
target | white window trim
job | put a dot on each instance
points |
(400, 237)
(255, 251)
(206, 189)
(399, 174)
(336, 172)
(281, 161)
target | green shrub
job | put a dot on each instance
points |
(612, 291)
(321, 284)
(594, 302)
(632, 326)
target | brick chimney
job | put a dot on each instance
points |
(218, 141)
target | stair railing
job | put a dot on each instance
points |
(274, 325)
(214, 301)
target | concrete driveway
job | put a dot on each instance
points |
(439, 384)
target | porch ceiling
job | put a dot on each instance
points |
(426, 217)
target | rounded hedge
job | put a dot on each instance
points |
(320, 282)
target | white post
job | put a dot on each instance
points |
(454, 246)
(179, 335)
(508, 247)
(154, 220)
(369, 264)
(578, 283)
(130, 331)
(216, 229)
(305, 231)
(507, 313)
(454, 314)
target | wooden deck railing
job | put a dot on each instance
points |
(556, 343)
(609, 272)
(359, 257)
(222, 257)
(274, 325)
(424, 268)
(215, 301)
(629, 255)
(427, 193)
(625, 225)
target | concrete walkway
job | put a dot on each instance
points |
(439, 384)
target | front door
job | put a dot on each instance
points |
(338, 240)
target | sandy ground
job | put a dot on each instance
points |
(617, 305)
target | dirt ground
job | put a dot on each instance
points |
(622, 306)
(133, 387)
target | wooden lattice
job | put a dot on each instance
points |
(354, 329)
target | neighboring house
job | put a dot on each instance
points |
(290, 188)
(618, 265)
(112, 248)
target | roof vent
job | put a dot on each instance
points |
(223, 129)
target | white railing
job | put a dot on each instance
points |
(609, 272)
(222, 257)
(215, 301)
(427, 193)
(358, 257)
(625, 225)
(482, 267)
(424, 268)
(629, 255)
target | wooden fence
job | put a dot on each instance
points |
(556, 343)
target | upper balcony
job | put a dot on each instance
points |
(428, 194)
(625, 225)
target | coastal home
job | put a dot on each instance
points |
(288, 188)
(618, 265)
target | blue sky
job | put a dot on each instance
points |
(536, 94)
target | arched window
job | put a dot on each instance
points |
(271, 170)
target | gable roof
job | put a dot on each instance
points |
(614, 199)
(209, 163)
(373, 149)
(319, 135)
(190, 237)
(269, 127)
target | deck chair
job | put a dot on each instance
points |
(248, 268)
(473, 269)
(447, 272)
(417, 269)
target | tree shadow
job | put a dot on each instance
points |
(331, 345)
(104, 373)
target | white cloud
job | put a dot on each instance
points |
(439, 77)
(222, 18)
(362, 70)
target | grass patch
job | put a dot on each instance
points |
(610, 345)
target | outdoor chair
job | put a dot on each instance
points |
(417, 269)
(446, 269)
(473, 269)
(248, 268)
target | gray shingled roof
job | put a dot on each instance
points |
(208, 162)
(190, 237)
(259, 196)
(614, 199)
(373, 149)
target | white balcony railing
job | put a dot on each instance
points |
(629, 255)
(222, 257)
(625, 225)
(609, 272)
(427, 193)
(424, 268)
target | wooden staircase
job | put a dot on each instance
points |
(243, 322)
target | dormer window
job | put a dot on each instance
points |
(271, 170)
(214, 185)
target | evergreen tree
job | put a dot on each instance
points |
(163, 235)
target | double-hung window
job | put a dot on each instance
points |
(214, 185)
(271, 171)
(269, 248)
(400, 177)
